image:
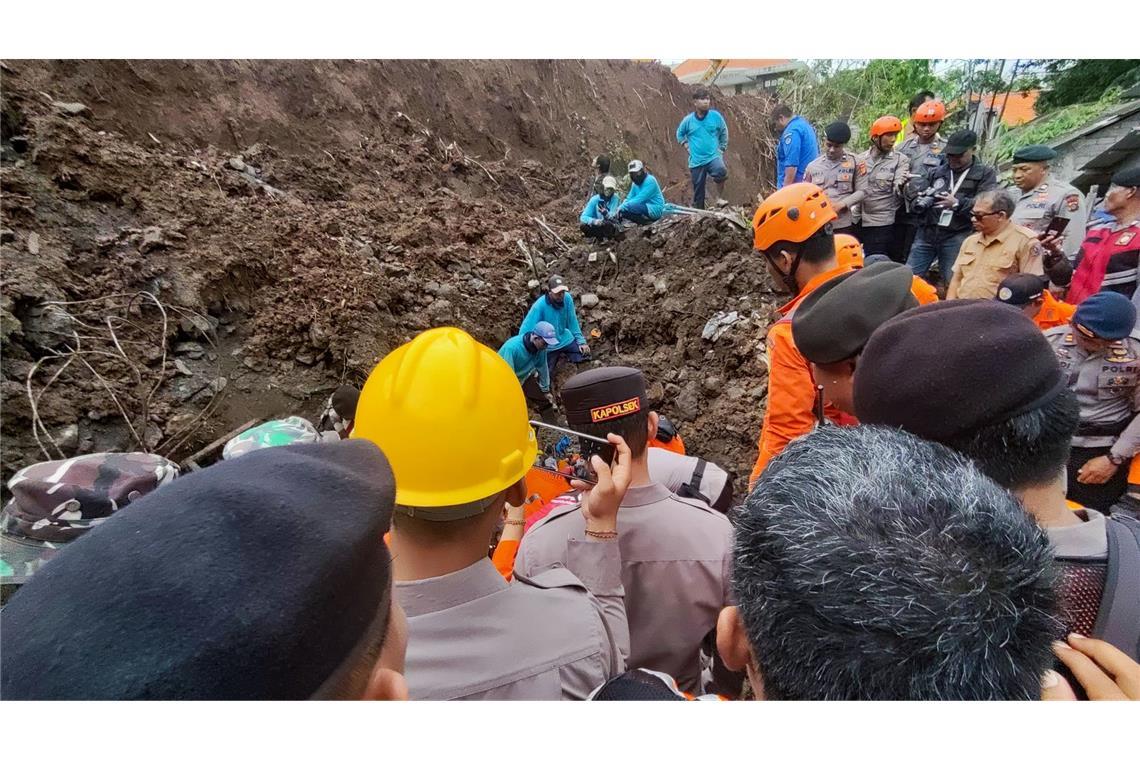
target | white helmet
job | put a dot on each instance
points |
(635, 166)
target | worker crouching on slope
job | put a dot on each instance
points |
(645, 203)
(792, 231)
(598, 217)
(556, 307)
(526, 355)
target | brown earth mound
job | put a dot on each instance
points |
(189, 245)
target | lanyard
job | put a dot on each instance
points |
(958, 184)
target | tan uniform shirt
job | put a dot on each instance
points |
(1107, 385)
(675, 557)
(472, 635)
(1051, 199)
(886, 175)
(841, 180)
(983, 262)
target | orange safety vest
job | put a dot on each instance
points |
(923, 291)
(791, 387)
(1054, 313)
(677, 446)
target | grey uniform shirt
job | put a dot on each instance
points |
(1051, 199)
(841, 180)
(675, 556)
(1086, 540)
(473, 635)
(886, 175)
(674, 470)
(923, 158)
(1107, 387)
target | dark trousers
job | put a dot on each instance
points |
(603, 231)
(878, 240)
(534, 395)
(906, 232)
(638, 213)
(700, 174)
(1095, 496)
(569, 352)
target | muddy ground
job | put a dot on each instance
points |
(189, 245)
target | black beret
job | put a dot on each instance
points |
(1021, 288)
(603, 394)
(835, 321)
(1127, 177)
(960, 142)
(252, 579)
(837, 132)
(1107, 315)
(1034, 153)
(949, 368)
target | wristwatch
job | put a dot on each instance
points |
(1116, 459)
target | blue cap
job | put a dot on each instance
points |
(1106, 315)
(545, 330)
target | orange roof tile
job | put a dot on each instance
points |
(1020, 108)
(698, 65)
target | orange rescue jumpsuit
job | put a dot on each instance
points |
(791, 387)
(923, 291)
(1053, 313)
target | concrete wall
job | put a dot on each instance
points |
(1072, 156)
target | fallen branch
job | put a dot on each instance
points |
(550, 232)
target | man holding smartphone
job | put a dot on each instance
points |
(1044, 198)
(675, 551)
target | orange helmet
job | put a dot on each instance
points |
(885, 125)
(793, 214)
(930, 112)
(848, 251)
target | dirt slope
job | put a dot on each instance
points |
(257, 232)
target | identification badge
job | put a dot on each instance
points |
(945, 218)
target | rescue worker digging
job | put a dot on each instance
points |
(556, 307)
(526, 355)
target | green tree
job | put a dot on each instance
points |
(1084, 80)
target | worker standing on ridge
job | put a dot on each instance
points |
(1099, 353)
(886, 171)
(834, 323)
(923, 149)
(792, 231)
(674, 551)
(1028, 293)
(1109, 257)
(599, 216)
(645, 203)
(798, 146)
(453, 424)
(705, 133)
(839, 174)
(526, 355)
(556, 306)
(1045, 197)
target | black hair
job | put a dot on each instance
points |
(1027, 450)
(871, 564)
(633, 428)
(603, 164)
(919, 99)
(700, 93)
(781, 111)
(817, 249)
(344, 401)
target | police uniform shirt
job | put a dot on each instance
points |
(1036, 208)
(674, 470)
(473, 635)
(675, 561)
(984, 261)
(886, 174)
(841, 180)
(1107, 387)
(922, 154)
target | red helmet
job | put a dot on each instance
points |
(930, 112)
(884, 125)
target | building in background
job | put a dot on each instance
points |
(736, 76)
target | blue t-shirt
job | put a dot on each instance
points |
(594, 208)
(798, 147)
(649, 193)
(707, 137)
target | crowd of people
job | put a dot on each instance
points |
(941, 507)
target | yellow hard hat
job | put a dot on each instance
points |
(450, 415)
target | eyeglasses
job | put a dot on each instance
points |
(984, 214)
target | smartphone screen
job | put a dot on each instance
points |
(568, 453)
(1057, 225)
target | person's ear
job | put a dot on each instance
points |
(735, 651)
(652, 423)
(386, 685)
